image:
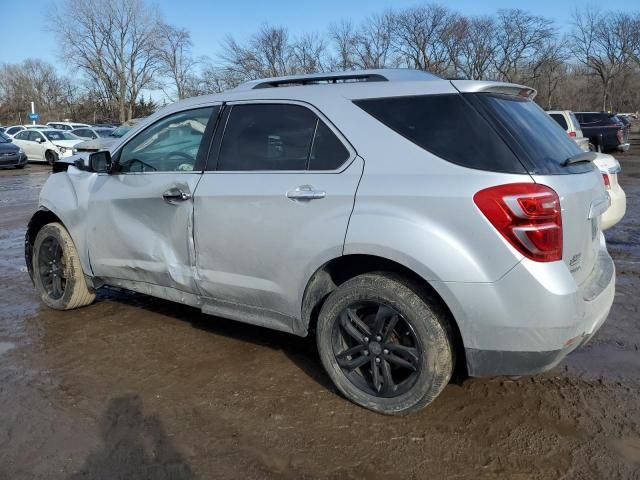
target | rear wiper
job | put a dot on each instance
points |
(580, 158)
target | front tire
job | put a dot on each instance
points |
(57, 272)
(50, 157)
(384, 344)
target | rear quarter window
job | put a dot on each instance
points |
(447, 126)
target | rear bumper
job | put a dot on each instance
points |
(13, 161)
(529, 320)
(616, 210)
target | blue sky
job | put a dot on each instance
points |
(210, 21)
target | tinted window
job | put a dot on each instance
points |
(60, 135)
(170, 144)
(559, 118)
(13, 130)
(267, 137)
(447, 126)
(24, 135)
(539, 143)
(328, 152)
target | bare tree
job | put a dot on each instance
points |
(267, 54)
(477, 44)
(309, 53)
(112, 42)
(601, 42)
(176, 60)
(373, 43)
(420, 38)
(343, 37)
(520, 35)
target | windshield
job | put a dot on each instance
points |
(105, 132)
(121, 130)
(537, 140)
(60, 136)
(4, 138)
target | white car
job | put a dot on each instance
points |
(66, 125)
(91, 133)
(46, 145)
(568, 121)
(610, 167)
(13, 129)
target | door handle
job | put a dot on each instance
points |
(305, 192)
(175, 196)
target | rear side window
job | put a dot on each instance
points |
(559, 118)
(278, 137)
(447, 126)
(541, 146)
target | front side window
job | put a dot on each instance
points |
(267, 137)
(24, 135)
(169, 145)
(35, 136)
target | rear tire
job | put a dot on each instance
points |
(57, 272)
(392, 372)
(20, 167)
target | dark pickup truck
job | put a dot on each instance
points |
(604, 130)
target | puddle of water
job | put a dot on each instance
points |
(5, 347)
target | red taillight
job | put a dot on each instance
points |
(572, 134)
(527, 215)
(607, 182)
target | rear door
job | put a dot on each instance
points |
(141, 215)
(273, 205)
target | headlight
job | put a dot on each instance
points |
(62, 149)
(74, 151)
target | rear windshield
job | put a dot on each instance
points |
(559, 118)
(536, 138)
(447, 126)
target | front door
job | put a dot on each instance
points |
(141, 215)
(273, 207)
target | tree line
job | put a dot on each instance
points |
(119, 49)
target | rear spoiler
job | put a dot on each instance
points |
(477, 86)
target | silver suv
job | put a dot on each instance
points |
(416, 226)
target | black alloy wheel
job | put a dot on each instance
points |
(51, 264)
(377, 349)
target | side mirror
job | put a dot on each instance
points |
(101, 162)
(39, 140)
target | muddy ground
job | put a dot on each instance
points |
(136, 387)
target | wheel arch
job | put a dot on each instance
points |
(42, 217)
(335, 272)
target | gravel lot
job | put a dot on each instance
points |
(136, 387)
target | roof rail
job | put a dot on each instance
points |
(379, 75)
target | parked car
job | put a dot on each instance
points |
(66, 125)
(91, 133)
(103, 143)
(348, 206)
(569, 123)
(13, 129)
(604, 130)
(610, 168)
(46, 145)
(11, 155)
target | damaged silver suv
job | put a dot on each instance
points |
(348, 205)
